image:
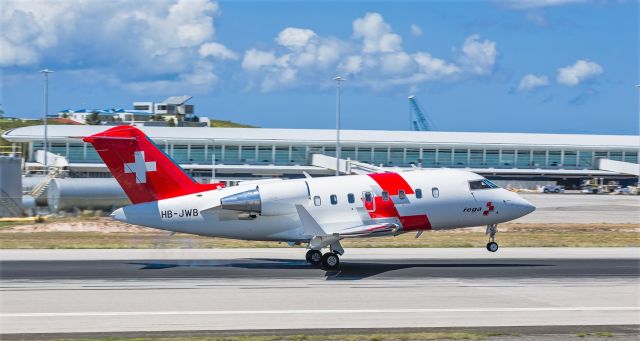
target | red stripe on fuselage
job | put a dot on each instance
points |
(392, 183)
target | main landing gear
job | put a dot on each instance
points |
(492, 246)
(329, 260)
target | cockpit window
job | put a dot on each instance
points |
(481, 184)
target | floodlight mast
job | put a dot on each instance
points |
(338, 80)
(46, 73)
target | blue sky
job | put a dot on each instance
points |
(555, 66)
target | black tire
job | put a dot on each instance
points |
(492, 246)
(314, 257)
(330, 261)
(546, 190)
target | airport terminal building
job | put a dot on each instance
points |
(249, 153)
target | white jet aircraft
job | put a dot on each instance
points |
(317, 212)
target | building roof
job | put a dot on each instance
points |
(176, 100)
(327, 136)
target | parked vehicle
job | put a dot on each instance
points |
(552, 189)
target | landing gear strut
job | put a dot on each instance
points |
(492, 246)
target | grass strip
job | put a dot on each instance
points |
(336, 337)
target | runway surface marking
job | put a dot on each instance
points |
(320, 311)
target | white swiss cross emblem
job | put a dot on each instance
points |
(140, 167)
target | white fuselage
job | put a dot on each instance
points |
(446, 201)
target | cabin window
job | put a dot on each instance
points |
(435, 192)
(385, 196)
(418, 193)
(368, 197)
(334, 199)
(351, 198)
(317, 201)
(401, 194)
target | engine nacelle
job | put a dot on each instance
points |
(269, 199)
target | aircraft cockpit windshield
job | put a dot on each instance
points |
(481, 184)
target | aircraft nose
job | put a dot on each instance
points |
(523, 206)
(119, 215)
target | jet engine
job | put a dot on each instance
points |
(269, 199)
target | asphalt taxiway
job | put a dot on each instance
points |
(85, 291)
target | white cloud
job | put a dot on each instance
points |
(376, 34)
(216, 50)
(136, 41)
(416, 30)
(293, 37)
(478, 57)
(528, 4)
(531, 82)
(575, 74)
(434, 68)
(374, 57)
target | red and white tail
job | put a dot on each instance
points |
(144, 171)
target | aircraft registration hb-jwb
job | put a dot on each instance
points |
(317, 212)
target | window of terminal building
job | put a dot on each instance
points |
(554, 158)
(299, 155)
(282, 155)
(380, 155)
(429, 157)
(412, 156)
(140, 107)
(334, 199)
(351, 198)
(570, 158)
(265, 154)
(231, 155)
(585, 159)
(476, 157)
(523, 158)
(396, 156)
(348, 153)
(615, 156)
(197, 154)
(58, 148)
(508, 158)
(631, 157)
(92, 155)
(444, 157)
(330, 151)
(180, 153)
(247, 154)
(76, 152)
(217, 153)
(364, 154)
(492, 158)
(539, 158)
(460, 157)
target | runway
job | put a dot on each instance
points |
(65, 291)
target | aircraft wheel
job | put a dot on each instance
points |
(314, 257)
(492, 246)
(330, 260)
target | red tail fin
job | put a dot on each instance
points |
(142, 169)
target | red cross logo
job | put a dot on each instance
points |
(490, 208)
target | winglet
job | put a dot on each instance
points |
(311, 227)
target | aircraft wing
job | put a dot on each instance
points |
(313, 229)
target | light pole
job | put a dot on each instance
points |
(339, 81)
(46, 73)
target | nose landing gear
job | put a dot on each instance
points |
(492, 229)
